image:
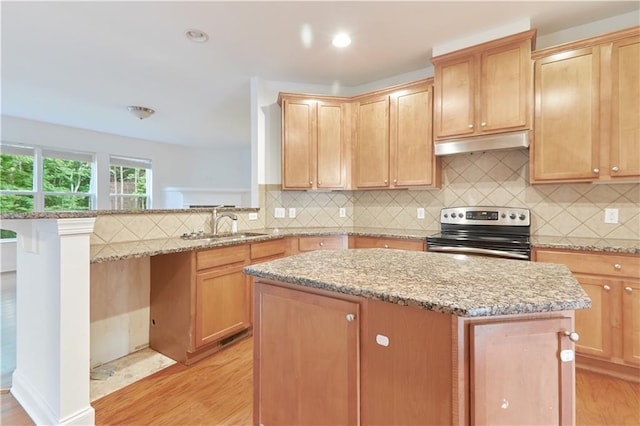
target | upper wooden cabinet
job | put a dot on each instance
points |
(484, 89)
(382, 139)
(587, 110)
(393, 139)
(315, 141)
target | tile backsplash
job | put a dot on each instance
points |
(499, 178)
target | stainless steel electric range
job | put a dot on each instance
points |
(487, 231)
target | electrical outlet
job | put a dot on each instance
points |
(253, 216)
(420, 212)
(342, 212)
(279, 212)
(292, 212)
(610, 215)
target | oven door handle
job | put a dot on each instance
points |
(473, 250)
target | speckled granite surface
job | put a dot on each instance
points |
(95, 213)
(452, 284)
(588, 244)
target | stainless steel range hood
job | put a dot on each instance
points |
(511, 140)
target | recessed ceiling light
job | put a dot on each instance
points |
(341, 40)
(196, 35)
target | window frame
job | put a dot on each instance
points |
(135, 163)
(39, 154)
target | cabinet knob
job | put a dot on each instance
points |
(350, 317)
(470, 126)
(395, 181)
(386, 181)
(319, 183)
(617, 266)
(321, 243)
(483, 124)
(628, 289)
(596, 171)
(606, 287)
(615, 169)
(573, 336)
(386, 246)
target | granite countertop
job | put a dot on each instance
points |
(451, 284)
(143, 248)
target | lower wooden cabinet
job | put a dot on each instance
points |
(328, 358)
(381, 242)
(322, 242)
(306, 358)
(609, 331)
(199, 301)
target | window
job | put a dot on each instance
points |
(34, 179)
(130, 183)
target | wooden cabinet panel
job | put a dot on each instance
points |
(331, 162)
(517, 374)
(405, 382)
(411, 144)
(567, 116)
(269, 249)
(298, 117)
(595, 325)
(617, 265)
(504, 93)
(306, 358)
(455, 97)
(484, 89)
(222, 304)
(221, 256)
(631, 321)
(372, 143)
(357, 242)
(322, 243)
(625, 104)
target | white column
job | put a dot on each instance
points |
(51, 380)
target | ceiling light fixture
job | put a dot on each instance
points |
(341, 40)
(196, 36)
(140, 111)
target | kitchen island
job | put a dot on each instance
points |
(379, 336)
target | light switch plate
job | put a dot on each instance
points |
(610, 215)
(279, 212)
(253, 216)
(420, 212)
(292, 212)
(342, 212)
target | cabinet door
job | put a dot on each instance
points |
(566, 145)
(517, 375)
(222, 304)
(595, 325)
(298, 133)
(372, 143)
(631, 321)
(454, 94)
(625, 103)
(504, 88)
(331, 163)
(412, 157)
(306, 352)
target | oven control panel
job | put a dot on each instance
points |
(509, 216)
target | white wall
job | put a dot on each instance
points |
(173, 165)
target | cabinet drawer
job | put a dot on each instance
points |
(593, 263)
(321, 243)
(269, 249)
(393, 243)
(222, 256)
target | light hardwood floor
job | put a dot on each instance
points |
(218, 391)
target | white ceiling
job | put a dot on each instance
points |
(81, 63)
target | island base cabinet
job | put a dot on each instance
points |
(306, 355)
(522, 373)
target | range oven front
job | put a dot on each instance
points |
(502, 232)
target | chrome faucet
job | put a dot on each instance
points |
(215, 221)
